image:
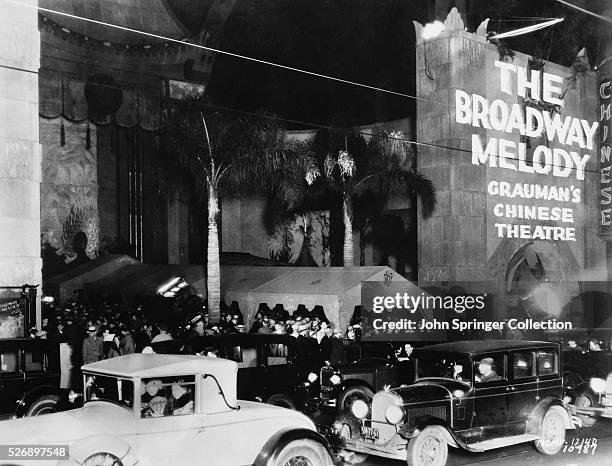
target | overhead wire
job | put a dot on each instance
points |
(320, 126)
(231, 54)
(584, 10)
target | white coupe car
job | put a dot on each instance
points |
(158, 409)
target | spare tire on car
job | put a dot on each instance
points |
(45, 404)
(303, 452)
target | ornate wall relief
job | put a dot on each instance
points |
(69, 188)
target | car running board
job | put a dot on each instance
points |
(479, 447)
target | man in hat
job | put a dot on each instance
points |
(127, 344)
(487, 374)
(257, 324)
(163, 334)
(93, 346)
(325, 342)
(265, 328)
(338, 352)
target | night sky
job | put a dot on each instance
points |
(369, 41)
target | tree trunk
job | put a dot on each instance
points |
(213, 269)
(362, 247)
(347, 212)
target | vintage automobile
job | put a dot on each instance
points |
(266, 364)
(153, 409)
(338, 386)
(587, 376)
(29, 378)
(474, 395)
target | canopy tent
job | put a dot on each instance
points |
(141, 280)
(336, 289)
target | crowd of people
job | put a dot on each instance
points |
(84, 333)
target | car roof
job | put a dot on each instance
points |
(243, 337)
(480, 346)
(159, 365)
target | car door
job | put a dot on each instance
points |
(36, 366)
(522, 387)
(251, 382)
(549, 375)
(281, 375)
(11, 377)
(490, 400)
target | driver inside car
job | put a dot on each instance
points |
(485, 369)
(458, 372)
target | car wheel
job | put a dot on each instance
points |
(552, 433)
(352, 394)
(428, 448)
(282, 400)
(586, 400)
(43, 405)
(303, 452)
(102, 459)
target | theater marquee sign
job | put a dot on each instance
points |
(605, 178)
(573, 137)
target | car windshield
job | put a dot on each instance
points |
(115, 389)
(456, 367)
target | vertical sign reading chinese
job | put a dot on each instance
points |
(605, 164)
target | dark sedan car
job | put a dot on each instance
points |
(29, 377)
(266, 364)
(338, 386)
(474, 395)
(587, 372)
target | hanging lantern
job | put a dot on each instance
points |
(103, 96)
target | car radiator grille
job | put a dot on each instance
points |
(433, 411)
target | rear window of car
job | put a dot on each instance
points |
(9, 361)
(244, 356)
(548, 363)
(35, 360)
(277, 354)
(523, 364)
(167, 396)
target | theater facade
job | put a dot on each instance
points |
(512, 144)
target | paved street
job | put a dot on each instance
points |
(520, 455)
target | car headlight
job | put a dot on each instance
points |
(458, 393)
(394, 414)
(73, 396)
(335, 379)
(360, 409)
(312, 377)
(598, 385)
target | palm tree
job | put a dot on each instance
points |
(218, 155)
(360, 170)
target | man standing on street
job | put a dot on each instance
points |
(93, 347)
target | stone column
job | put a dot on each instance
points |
(178, 231)
(20, 260)
(453, 242)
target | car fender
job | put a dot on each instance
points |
(29, 397)
(281, 439)
(83, 449)
(351, 383)
(417, 426)
(535, 418)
